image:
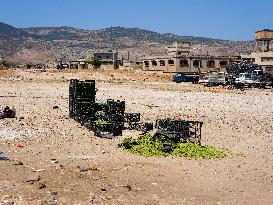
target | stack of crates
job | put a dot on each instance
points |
(82, 97)
(133, 120)
(179, 130)
(111, 114)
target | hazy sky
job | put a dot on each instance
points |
(225, 19)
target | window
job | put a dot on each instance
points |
(154, 63)
(265, 59)
(146, 63)
(184, 63)
(171, 62)
(162, 63)
(196, 63)
(223, 63)
(211, 63)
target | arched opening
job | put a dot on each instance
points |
(171, 62)
(154, 63)
(184, 63)
(211, 63)
(162, 63)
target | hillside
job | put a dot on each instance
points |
(48, 43)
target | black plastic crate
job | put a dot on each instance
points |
(141, 126)
(180, 130)
(131, 117)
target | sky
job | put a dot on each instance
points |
(221, 19)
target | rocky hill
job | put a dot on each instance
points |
(39, 44)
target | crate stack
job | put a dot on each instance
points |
(133, 120)
(179, 130)
(105, 119)
(82, 97)
(109, 118)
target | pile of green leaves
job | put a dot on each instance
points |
(148, 146)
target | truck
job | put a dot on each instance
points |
(255, 79)
(186, 77)
(214, 79)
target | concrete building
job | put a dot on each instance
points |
(106, 58)
(263, 55)
(179, 60)
(78, 64)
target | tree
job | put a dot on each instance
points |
(96, 63)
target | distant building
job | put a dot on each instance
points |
(106, 58)
(263, 55)
(179, 60)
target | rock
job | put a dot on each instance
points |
(54, 193)
(41, 186)
(83, 169)
(7, 112)
(103, 189)
(33, 178)
(18, 163)
(55, 107)
(54, 161)
(128, 187)
(18, 145)
(38, 170)
(8, 203)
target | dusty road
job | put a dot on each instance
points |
(90, 170)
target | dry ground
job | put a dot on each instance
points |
(91, 170)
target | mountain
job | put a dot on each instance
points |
(39, 44)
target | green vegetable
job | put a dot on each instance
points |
(101, 122)
(148, 146)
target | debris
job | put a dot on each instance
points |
(33, 178)
(55, 107)
(103, 189)
(41, 185)
(18, 163)
(8, 203)
(3, 158)
(83, 169)
(18, 145)
(7, 112)
(38, 170)
(54, 161)
(128, 187)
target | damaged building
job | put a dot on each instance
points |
(179, 60)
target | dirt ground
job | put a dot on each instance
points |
(47, 158)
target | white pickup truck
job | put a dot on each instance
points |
(255, 79)
(214, 79)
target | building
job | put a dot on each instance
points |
(179, 60)
(78, 64)
(263, 55)
(106, 58)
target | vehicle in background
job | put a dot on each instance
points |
(214, 79)
(255, 79)
(186, 77)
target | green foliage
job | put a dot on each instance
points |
(101, 122)
(148, 146)
(96, 63)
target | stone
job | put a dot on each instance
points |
(33, 178)
(18, 163)
(41, 185)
